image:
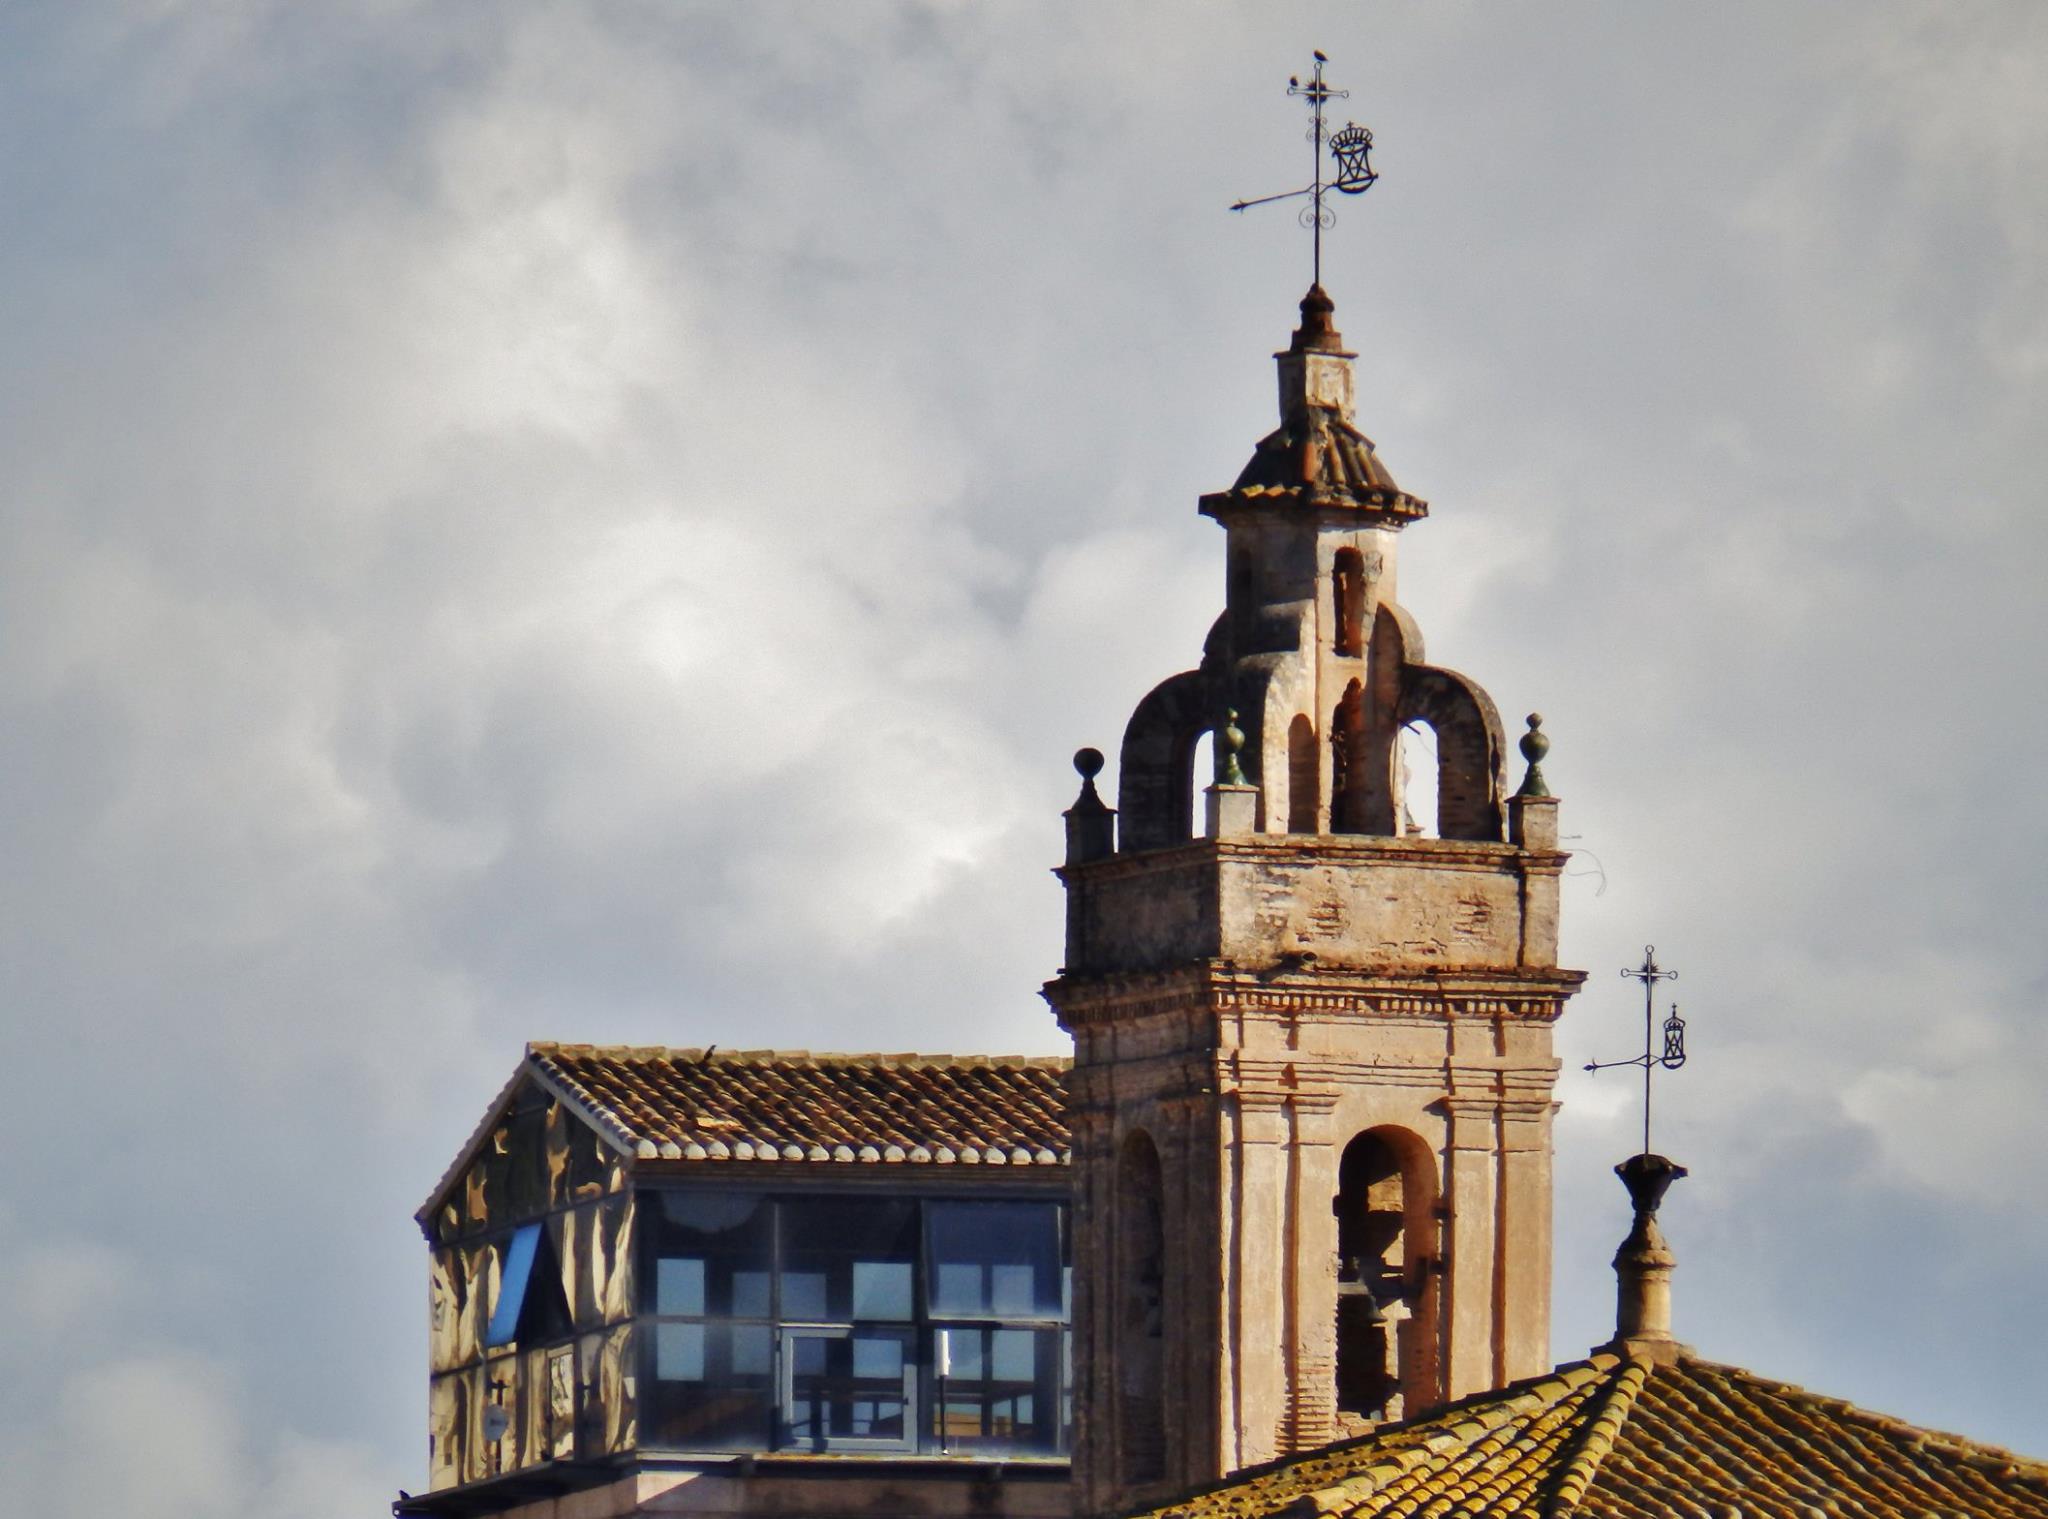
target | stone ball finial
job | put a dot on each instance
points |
(1088, 763)
(1229, 741)
(1535, 745)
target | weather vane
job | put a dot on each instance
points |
(1351, 147)
(1673, 1056)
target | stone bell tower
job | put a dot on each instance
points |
(1311, 1092)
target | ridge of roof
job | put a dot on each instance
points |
(1475, 1450)
(820, 1058)
(1597, 1439)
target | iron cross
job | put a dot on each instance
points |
(1673, 1056)
(1351, 147)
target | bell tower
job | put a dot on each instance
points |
(1311, 1091)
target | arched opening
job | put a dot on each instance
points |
(1347, 738)
(1140, 1360)
(1383, 1329)
(1347, 598)
(1301, 775)
(1419, 781)
(1467, 735)
(1201, 771)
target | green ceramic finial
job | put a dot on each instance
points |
(1229, 739)
(1535, 744)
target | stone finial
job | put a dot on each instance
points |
(1535, 745)
(1315, 367)
(1091, 823)
(1643, 1264)
(1318, 329)
(1229, 743)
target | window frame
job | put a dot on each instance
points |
(923, 1436)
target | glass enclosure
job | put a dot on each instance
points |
(853, 1322)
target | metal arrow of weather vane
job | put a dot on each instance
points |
(1350, 146)
(1673, 1054)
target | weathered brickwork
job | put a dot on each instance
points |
(1324, 1031)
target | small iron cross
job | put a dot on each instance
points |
(1351, 147)
(1673, 1054)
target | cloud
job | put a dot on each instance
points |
(608, 523)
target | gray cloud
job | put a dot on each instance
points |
(607, 523)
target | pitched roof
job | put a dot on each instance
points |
(1615, 1438)
(1318, 459)
(794, 1105)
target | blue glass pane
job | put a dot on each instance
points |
(803, 1295)
(847, 1258)
(995, 1259)
(679, 1287)
(679, 1352)
(964, 1359)
(753, 1349)
(750, 1294)
(881, 1289)
(956, 1287)
(731, 1237)
(877, 1357)
(504, 1325)
(1013, 1355)
(1011, 1290)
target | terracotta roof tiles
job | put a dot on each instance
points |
(1613, 1438)
(1318, 459)
(794, 1105)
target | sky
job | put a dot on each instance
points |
(606, 522)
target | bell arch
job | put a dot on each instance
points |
(1386, 1252)
(1141, 1306)
(1304, 781)
(1156, 766)
(1470, 749)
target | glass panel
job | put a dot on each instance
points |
(874, 1357)
(848, 1389)
(1011, 1290)
(753, 1349)
(998, 1389)
(679, 1352)
(881, 1289)
(711, 1389)
(748, 1298)
(995, 1259)
(803, 1295)
(831, 1243)
(956, 1287)
(1011, 1355)
(679, 1287)
(724, 1238)
(504, 1325)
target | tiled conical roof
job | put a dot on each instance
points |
(1616, 1438)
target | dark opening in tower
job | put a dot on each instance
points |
(1380, 1279)
(1141, 1262)
(1347, 596)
